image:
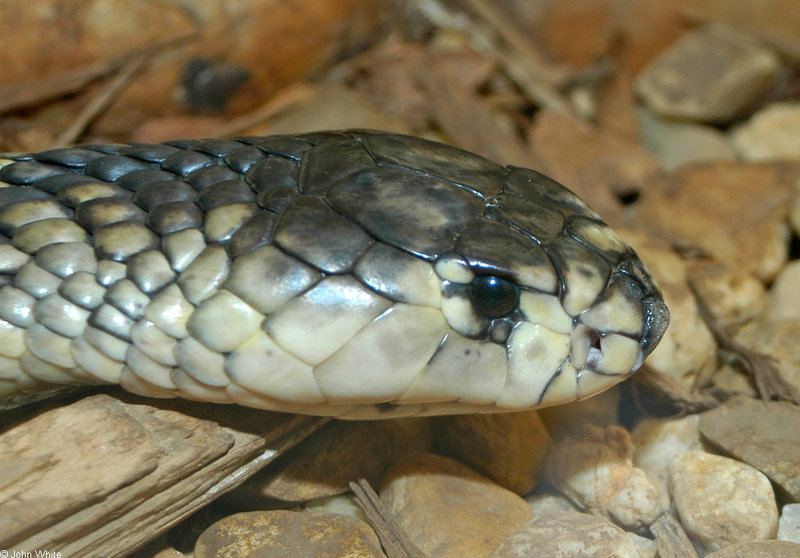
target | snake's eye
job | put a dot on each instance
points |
(494, 297)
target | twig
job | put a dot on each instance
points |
(769, 381)
(394, 540)
(101, 102)
(43, 88)
(670, 538)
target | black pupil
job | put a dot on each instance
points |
(493, 297)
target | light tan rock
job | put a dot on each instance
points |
(778, 339)
(759, 549)
(288, 534)
(708, 75)
(732, 296)
(772, 133)
(569, 534)
(509, 448)
(789, 523)
(783, 299)
(760, 433)
(595, 165)
(332, 457)
(679, 143)
(721, 501)
(449, 510)
(734, 212)
(658, 440)
(595, 470)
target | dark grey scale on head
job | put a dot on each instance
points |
(150, 152)
(187, 161)
(255, 233)
(243, 158)
(542, 189)
(534, 219)
(210, 176)
(330, 162)
(24, 173)
(462, 168)
(285, 146)
(224, 193)
(136, 180)
(112, 167)
(271, 172)
(493, 248)
(165, 191)
(412, 211)
(72, 157)
(276, 199)
(217, 147)
(313, 232)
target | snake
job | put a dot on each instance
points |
(355, 274)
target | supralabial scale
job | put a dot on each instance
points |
(356, 274)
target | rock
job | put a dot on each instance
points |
(789, 523)
(449, 510)
(679, 143)
(644, 546)
(732, 296)
(595, 165)
(509, 448)
(547, 503)
(775, 21)
(761, 433)
(778, 339)
(595, 470)
(708, 75)
(759, 549)
(288, 534)
(343, 504)
(721, 501)
(771, 134)
(339, 452)
(734, 212)
(658, 440)
(568, 534)
(688, 347)
(783, 299)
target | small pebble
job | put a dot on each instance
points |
(595, 470)
(449, 510)
(789, 523)
(566, 535)
(658, 440)
(708, 75)
(759, 549)
(772, 133)
(721, 501)
(509, 448)
(760, 433)
(681, 143)
(286, 534)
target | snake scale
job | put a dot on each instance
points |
(356, 274)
